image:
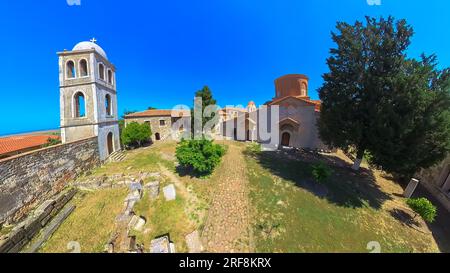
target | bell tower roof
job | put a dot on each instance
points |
(90, 45)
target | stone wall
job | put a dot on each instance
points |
(164, 131)
(29, 179)
(437, 181)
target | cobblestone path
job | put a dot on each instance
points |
(227, 226)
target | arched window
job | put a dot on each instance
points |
(101, 71)
(108, 105)
(83, 68)
(70, 70)
(79, 105)
(110, 76)
(304, 88)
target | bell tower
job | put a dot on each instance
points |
(88, 97)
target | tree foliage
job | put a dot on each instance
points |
(376, 99)
(200, 156)
(135, 134)
(207, 99)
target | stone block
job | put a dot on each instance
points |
(169, 192)
(137, 223)
(160, 245)
(5, 245)
(153, 189)
(194, 243)
(18, 246)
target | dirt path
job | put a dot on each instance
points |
(227, 226)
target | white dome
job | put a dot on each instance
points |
(90, 45)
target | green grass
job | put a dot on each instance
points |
(93, 220)
(91, 224)
(290, 217)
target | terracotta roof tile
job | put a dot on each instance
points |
(17, 143)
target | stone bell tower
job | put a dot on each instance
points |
(88, 97)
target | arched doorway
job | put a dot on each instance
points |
(157, 136)
(109, 140)
(285, 139)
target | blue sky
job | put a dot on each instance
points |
(166, 50)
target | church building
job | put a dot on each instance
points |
(88, 97)
(297, 116)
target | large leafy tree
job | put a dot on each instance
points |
(377, 100)
(135, 134)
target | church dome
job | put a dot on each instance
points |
(90, 45)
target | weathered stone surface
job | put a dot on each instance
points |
(153, 189)
(31, 178)
(137, 223)
(160, 245)
(194, 243)
(51, 228)
(169, 192)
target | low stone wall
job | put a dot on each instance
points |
(24, 232)
(437, 181)
(29, 179)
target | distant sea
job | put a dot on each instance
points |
(36, 132)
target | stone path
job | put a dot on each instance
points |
(227, 227)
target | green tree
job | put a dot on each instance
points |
(151, 108)
(200, 156)
(375, 99)
(412, 130)
(363, 69)
(207, 99)
(135, 134)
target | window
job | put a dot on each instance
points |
(83, 68)
(304, 89)
(70, 70)
(110, 76)
(162, 122)
(79, 105)
(101, 71)
(108, 105)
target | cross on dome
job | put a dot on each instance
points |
(93, 40)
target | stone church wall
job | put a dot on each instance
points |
(437, 181)
(29, 179)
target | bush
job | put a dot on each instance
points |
(423, 207)
(321, 172)
(52, 142)
(201, 156)
(135, 134)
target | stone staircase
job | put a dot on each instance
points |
(116, 156)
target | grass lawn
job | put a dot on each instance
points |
(91, 224)
(293, 213)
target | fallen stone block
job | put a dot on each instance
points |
(160, 245)
(194, 243)
(137, 223)
(169, 192)
(153, 189)
(50, 228)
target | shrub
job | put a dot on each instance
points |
(321, 172)
(201, 156)
(135, 134)
(423, 207)
(52, 142)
